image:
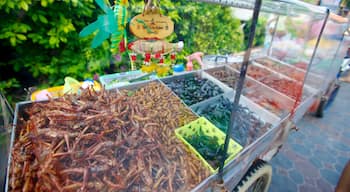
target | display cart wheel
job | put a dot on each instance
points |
(257, 178)
(320, 108)
(327, 100)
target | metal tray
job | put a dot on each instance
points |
(233, 71)
(259, 88)
(271, 139)
(203, 75)
(138, 85)
(22, 105)
(311, 79)
(258, 111)
(199, 73)
(18, 111)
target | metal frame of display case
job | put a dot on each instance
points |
(6, 118)
(267, 144)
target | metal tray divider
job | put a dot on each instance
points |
(265, 86)
(311, 89)
(13, 135)
(203, 75)
(259, 112)
(310, 73)
(311, 93)
(273, 72)
(225, 68)
(135, 85)
(274, 120)
(230, 165)
(216, 81)
(138, 85)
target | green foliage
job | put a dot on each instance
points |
(260, 33)
(203, 27)
(10, 83)
(7, 86)
(42, 37)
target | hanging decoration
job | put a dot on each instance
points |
(110, 25)
(151, 28)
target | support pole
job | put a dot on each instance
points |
(240, 85)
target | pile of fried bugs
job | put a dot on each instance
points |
(248, 127)
(104, 141)
(284, 69)
(194, 89)
(228, 77)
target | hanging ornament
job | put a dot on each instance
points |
(111, 24)
(157, 55)
(173, 58)
(147, 57)
(133, 57)
(161, 60)
(143, 46)
(151, 27)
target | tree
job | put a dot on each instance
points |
(40, 38)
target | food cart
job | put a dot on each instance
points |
(141, 136)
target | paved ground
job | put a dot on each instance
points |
(314, 157)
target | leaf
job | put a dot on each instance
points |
(53, 41)
(35, 17)
(103, 6)
(90, 29)
(13, 41)
(21, 37)
(43, 19)
(99, 38)
(24, 6)
(44, 3)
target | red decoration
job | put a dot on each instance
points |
(130, 45)
(157, 55)
(173, 56)
(122, 46)
(147, 57)
(161, 60)
(133, 57)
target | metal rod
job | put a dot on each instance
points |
(310, 63)
(240, 84)
(248, 4)
(273, 36)
(9, 108)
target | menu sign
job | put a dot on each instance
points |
(151, 26)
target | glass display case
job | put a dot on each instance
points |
(282, 63)
(275, 74)
(197, 130)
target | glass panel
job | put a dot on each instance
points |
(327, 59)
